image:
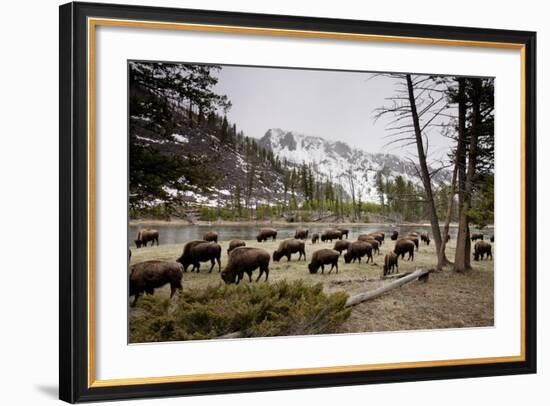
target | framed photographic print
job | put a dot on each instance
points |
(256, 202)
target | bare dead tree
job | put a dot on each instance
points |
(418, 104)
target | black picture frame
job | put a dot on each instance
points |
(74, 384)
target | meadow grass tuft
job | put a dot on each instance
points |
(260, 310)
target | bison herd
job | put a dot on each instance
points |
(145, 277)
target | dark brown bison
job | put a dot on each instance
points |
(332, 234)
(390, 262)
(301, 234)
(344, 231)
(382, 234)
(266, 233)
(394, 235)
(448, 238)
(492, 238)
(377, 236)
(145, 235)
(235, 244)
(482, 249)
(425, 237)
(358, 250)
(403, 246)
(195, 252)
(341, 245)
(149, 275)
(210, 236)
(414, 240)
(315, 238)
(323, 257)
(289, 247)
(370, 239)
(245, 260)
(476, 236)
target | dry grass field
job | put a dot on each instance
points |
(447, 300)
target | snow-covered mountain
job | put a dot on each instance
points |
(342, 164)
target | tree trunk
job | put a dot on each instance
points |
(426, 180)
(462, 258)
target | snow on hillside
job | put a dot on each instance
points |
(338, 161)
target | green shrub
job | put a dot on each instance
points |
(256, 310)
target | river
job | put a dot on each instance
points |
(178, 233)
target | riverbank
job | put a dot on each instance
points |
(180, 222)
(447, 300)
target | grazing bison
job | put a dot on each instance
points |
(476, 236)
(235, 244)
(403, 246)
(210, 236)
(344, 231)
(315, 238)
(301, 234)
(266, 233)
(341, 245)
(332, 234)
(289, 247)
(358, 250)
(394, 235)
(492, 238)
(195, 252)
(481, 249)
(245, 259)
(377, 236)
(145, 235)
(370, 239)
(390, 262)
(323, 257)
(414, 240)
(149, 275)
(425, 237)
(375, 245)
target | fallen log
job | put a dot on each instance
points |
(404, 278)
(362, 297)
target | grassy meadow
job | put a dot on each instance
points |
(448, 300)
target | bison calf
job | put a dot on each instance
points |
(390, 262)
(149, 275)
(245, 260)
(481, 249)
(323, 257)
(289, 247)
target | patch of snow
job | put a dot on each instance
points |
(180, 138)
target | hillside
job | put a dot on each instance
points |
(337, 161)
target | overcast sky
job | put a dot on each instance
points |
(334, 105)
